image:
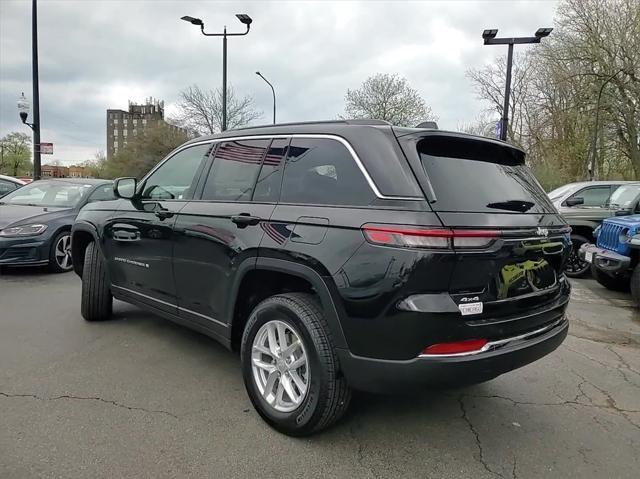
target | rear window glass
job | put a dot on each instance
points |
(477, 176)
(322, 171)
(624, 196)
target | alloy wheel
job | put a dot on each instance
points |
(280, 366)
(63, 252)
(576, 266)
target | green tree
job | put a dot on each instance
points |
(387, 97)
(144, 151)
(97, 166)
(15, 154)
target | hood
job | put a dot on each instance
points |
(17, 214)
(626, 221)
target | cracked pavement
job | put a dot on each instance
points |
(141, 397)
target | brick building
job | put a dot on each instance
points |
(124, 125)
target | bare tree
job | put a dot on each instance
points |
(200, 111)
(576, 97)
(489, 83)
(387, 97)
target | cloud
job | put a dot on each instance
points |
(96, 55)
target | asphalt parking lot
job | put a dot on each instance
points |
(142, 397)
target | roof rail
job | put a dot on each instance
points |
(318, 122)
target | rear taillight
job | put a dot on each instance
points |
(417, 237)
(457, 347)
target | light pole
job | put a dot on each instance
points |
(274, 95)
(592, 153)
(489, 37)
(23, 103)
(23, 109)
(245, 19)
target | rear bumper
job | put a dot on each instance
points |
(605, 260)
(384, 376)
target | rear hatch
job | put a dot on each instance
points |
(509, 241)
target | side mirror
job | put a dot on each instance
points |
(125, 187)
(574, 201)
(622, 212)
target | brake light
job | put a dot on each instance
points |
(392, 235)
(457, 347)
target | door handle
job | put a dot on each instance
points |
(245, 219)
(163, 214)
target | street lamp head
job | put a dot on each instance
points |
(259, 74)
(23, 105)
(543, 32)
(23, 116)
(192, 20)
(489, 34)
(244, 18)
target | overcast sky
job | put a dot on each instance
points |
(98, 54)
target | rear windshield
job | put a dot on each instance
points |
(477, 176)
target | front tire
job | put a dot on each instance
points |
(290, 367)
(96, 302)
(60, 253)
(576, 267)
(614, 283)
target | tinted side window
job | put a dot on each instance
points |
(594, 196)
(322, 171)
(102, 193)
(6, 187)
(176, 178)
(268, 185)
(234, 170)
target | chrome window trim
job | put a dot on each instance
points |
(338, 138)
(493, 345)
(171, 304)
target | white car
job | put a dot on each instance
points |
(584, 194)
(8, 184)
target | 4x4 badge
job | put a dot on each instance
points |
(542, 231)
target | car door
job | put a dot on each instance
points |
(138, 238)
(218, 231)
(592, 196)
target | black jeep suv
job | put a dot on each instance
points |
(336, 256)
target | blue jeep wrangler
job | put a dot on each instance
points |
(614, 258)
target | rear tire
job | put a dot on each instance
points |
(635, 285)
(576, 267)
(326, 394)
(614, 283)
(96, 302)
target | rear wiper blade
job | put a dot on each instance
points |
(512, 205)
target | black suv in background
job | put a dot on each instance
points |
(337, 256)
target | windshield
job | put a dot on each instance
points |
(48, 193)
(623, 197)
(469, 178)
